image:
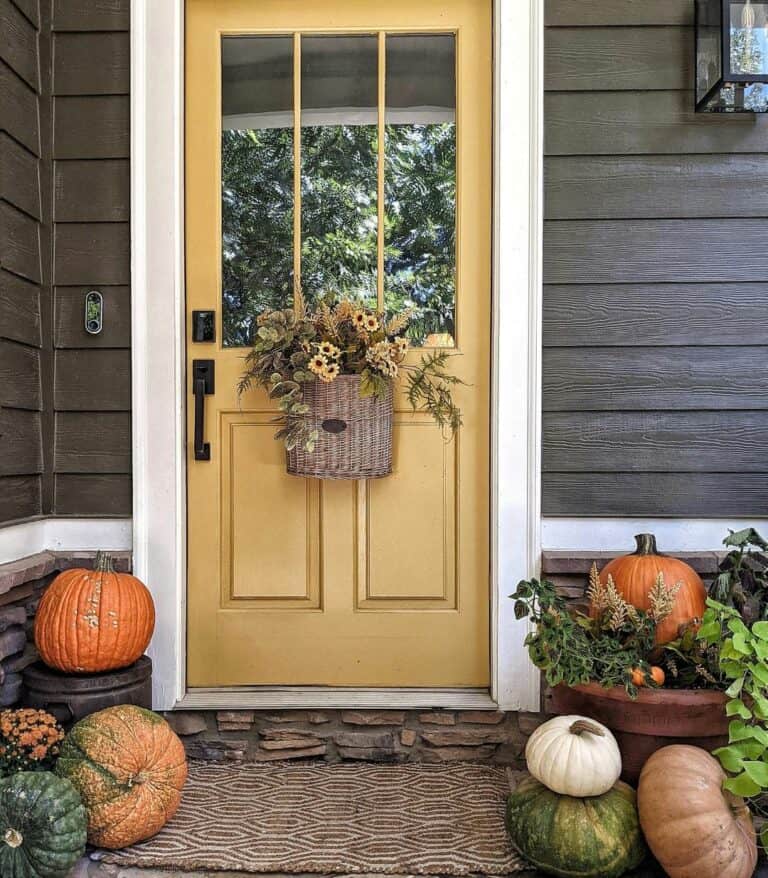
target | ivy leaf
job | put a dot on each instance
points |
(759, 672)
(742, 785)
(736, 626)
(758, 772)
(731, 669)
(761, 649)
(710, 631)
(740, 731)
(738, 708)
(740, 643)
(735, 688)
(731, 760)
(760, 629)
(760, 706)
(746, 749)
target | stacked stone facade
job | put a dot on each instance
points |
(431, 736)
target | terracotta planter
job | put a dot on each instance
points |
(655, 719)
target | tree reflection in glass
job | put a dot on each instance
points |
(339, 166)
(420, 184)
(257, 181)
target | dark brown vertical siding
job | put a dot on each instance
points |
(65, 424)
(655, 363)
(91, 247)
(21, 274)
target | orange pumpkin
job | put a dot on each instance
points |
(634, 576)
(129, 767)
(639, 676)
(94, 620)
(694, 827)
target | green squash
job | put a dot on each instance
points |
(595, 837)
(42, 826)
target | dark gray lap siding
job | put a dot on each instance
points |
(24, 298)
(655, 362)
(65, 428)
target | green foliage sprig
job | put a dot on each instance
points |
(430, 388)
(743, 654)
(294, 347)
(572, 648)
(743, 579)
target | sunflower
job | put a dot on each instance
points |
(359, 318)
(330, 372)
(327, 349)
(371, 323)
(318, 364)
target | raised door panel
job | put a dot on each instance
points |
(270, 521)
(406, 542)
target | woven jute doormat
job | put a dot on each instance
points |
(336, 819)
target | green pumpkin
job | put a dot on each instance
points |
(42, 826)
(595, 837)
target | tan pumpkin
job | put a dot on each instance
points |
(634, 576)
(129, 767)
(694, 828)
(94, 620)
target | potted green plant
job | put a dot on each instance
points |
(608, 666)
(332, 371)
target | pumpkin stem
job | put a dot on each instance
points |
(103, 563)
(13, 838)
(584, 725)
(646, 545)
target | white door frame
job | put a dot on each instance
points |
(158, 353)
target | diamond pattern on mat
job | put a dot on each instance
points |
(394, 819)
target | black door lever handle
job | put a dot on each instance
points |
(202, 386)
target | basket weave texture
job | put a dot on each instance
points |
(354, 434)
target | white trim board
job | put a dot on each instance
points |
(64, 535)
(615, 534)
(303, 697)
(159, 393)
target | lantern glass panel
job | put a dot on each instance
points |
(709, 47)
(749, 38)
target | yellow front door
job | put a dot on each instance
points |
(342, 147)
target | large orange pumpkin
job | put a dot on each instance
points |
(129, 767)
(694, 828)
(634, 576)
(94, 620)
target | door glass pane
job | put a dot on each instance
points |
(420, 184)
(256, 181)
(339, 159)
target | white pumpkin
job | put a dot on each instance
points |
(574, 756)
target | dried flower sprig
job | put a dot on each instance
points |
(662, 598)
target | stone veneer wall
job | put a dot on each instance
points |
(435, 736)
(22, 584)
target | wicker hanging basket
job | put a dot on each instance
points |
(354, 434)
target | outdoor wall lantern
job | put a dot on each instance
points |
(731, 56)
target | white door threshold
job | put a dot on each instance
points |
(291, 697)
